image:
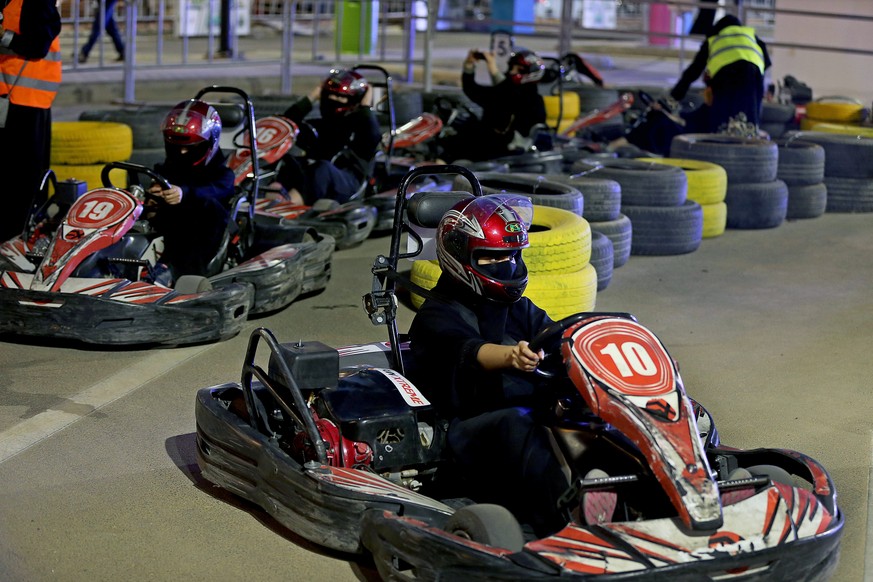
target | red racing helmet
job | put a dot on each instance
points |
(342, 91)
(525, 66)
(479, 243)
(192, 130)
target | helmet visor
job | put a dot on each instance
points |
(500, 203)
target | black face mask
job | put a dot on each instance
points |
(502, 271)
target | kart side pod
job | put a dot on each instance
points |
(629, 380)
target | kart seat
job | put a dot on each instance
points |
(424, 211)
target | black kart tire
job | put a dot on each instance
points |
(807, 201)
(849, 194)
(665, 230)
(602, 259)
(762, 205)
(602, 196)
(746, 160)
(801, 162)
(642, 183)
(620, 232)
(492, 525)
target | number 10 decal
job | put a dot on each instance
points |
(632, 358)
(624, 356)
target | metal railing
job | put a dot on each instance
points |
(185, 33)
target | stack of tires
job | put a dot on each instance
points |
(145, 127)
(561, 279)
(778, 118)
(848, 169)
(655, 199)
(802, 166)
(81, 149)
(707, 185)
(611, 231)
(755, 198)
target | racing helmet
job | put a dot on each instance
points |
(479, 243)
(192, 130)
(525, 66)
(341, 92)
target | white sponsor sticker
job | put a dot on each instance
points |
(409, 392)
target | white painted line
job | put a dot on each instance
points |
(868, 554)
(37, 428)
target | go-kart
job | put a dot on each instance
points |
(348, 224)
(84, 269)
(340, 447)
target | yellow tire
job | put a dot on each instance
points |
(839, 128)
(839, 110)
(566, 104)
(90, 142)
(714, 219)
(559, 295)
(560, 241)
(90, 174)
(707, 181)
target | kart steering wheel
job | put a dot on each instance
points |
(547, 339)
(135, 169)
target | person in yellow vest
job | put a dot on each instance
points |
(733, 60)
(30, 73)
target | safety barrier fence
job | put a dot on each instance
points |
(203, 33)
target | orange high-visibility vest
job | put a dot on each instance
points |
(40, 78)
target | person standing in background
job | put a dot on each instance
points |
(30, 74)
(108, 16)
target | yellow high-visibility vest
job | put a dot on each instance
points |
(734, 43)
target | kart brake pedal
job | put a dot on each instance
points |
(571, 495)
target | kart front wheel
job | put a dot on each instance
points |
(489, 524)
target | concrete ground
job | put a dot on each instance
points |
(98, 479)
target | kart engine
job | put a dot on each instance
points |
(371, 417)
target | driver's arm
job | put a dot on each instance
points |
(519, 356)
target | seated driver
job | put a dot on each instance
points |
(195, 210)
(472, 360)
(347, 139)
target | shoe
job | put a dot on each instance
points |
(597, 507)
(119, 59)
(82, 58)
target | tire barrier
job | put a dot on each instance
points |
(849, 194)
(602, 197)
(707, 185)
(559, 295)
(620, 232)
(90, 142)
(753, 206)
(665, 230)
(539, 188)
(642, 183)
(807, 200)
(144, 123)
(560, 241)
(602, 259)
(801, 162)
(745, 160)
(836, 109)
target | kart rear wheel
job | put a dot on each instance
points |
(489, 524)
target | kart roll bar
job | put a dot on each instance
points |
(251, 369)
(381, 303)
(253, 133)
(387, 84)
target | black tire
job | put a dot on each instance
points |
(620, 232)
(807, 201)
(780, 113)
(534, 162)
(602, 259)
(800, 162)
(192, 284)
(642, 183)
(746, 160)
(846, 156)
(665, 230)
(774, 130)
(751, 206)
(602, 197)
(849, 194)
(539, 188)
